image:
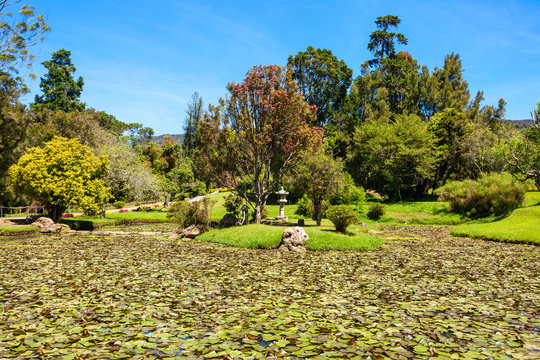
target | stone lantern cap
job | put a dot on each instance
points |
(282, 192)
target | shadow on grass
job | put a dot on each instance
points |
(348, 233)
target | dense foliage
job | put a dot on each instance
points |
(397, 127)
(493, 194)
(523, 152)
(341, 216)
(375, 212)
(62, 173)
(257, 133)
(60, 90)
(187, 214)
(233, 204)
(320, 177)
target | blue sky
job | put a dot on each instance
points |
(142, 60)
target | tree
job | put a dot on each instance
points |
(13, 124)
(128, 178)
(522, 154)
(20, 31)
(382, 42)
(451, 129)
(62, 173)
(194, 115)
(83, 125)
(166, 161)
(258, 132)
(320, 177)
(323, 80)
(60, 90)
(393, 155)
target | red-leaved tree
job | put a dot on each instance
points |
(257, 133)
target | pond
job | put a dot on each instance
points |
(424, 294)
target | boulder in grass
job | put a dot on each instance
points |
(191, 232)
(293, 239)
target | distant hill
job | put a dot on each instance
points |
(159, 139)
(520, 124)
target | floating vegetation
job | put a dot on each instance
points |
(425, 294)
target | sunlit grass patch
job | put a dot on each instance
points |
(269, 236)
(16, 229)
(522, 225)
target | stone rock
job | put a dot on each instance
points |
(228, 220)
(293, 239)
(174, 236)
(191, 232)
(47, 225)
(373, 232)
(364, 225)
(178, 230)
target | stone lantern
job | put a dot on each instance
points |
(282, 201)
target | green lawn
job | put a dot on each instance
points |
(15, 229)
(418, 212)
(268, 237)
(218, 210)
(522, 225)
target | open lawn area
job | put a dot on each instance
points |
(424, 294)
(522, 225)
(268, 237)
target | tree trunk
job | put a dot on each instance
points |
(257, 212)
(318, 213)
(55, 211)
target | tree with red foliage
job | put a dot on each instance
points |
(257, 133)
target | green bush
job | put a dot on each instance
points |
(195, 189)
(119, 204)
(187, 214)
(304, 207)
(493, 194)
(341, 216)
(349, 194)
(233, 203)
(376, 211)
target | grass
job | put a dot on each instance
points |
(218, 211)
(17, 229)
(522, 225)
(269, 236)
(418, 212)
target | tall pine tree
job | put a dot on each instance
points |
(60, 90)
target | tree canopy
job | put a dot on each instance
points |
(62, 173)
(258, 132)
(60, 90)
(382, 42)
(21, 30)
(323, 80)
